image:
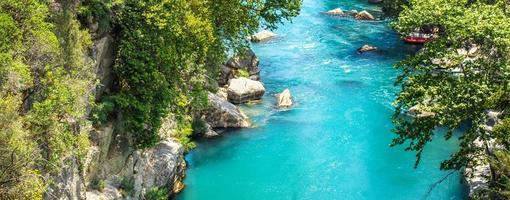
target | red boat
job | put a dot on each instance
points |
(418, 38)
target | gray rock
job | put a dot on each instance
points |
(226, 74)
(103, 55)
(223, 114)
(68, 184)
(246, 61)
(222, 92)
(284, 99)
(242, 90)
(478, 171)
(160, 166)
(210, 133)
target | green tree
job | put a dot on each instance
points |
(458, 76)
(169, 50)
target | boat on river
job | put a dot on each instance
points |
(419, 38)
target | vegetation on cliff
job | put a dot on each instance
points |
(44, 83)
(168, 54)
(459, 76)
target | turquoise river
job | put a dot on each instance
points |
(334, 143)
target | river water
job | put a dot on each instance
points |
(334, 143)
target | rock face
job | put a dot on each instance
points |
(366, 48)
(244, 61)
(160, 166)
(262, 36)
(477, 173)
(223, 114)
(210, 133)
(69, 184)
(103, 54)
(242, 90)
(336, 12)
(113, 160)
(364, 15)
(284, 99)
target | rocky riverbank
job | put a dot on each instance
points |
(113, 169)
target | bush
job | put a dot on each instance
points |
(127, 185)
(199, 126)
(98, 184)
(157, 193)
(243, 73)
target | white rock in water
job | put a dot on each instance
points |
(262, 36)
(364, 15)
(366, 48)
(242, 90)
(336, 11)
(284, 99)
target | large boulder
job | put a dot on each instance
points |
(246, 60)
(160, 166)
(364, 15)
(242, 90)
(284, 99)
(226, 74)
(262, 36)
(223, 114)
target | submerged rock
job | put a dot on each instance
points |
(336, 12)
(364, 15)
(223, 114)
(262, 36)
(242, 90)
(366, 48)
(284, 99)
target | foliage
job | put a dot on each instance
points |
(199, 126)
(394, 7)
(44, 81)
(98, 184)
(157, 193)
(243, 73)
(98, 10)
(476, 41)
(169, 49)
(127, 185)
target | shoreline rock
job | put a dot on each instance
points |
(242, 90)
(223, 114)
(243, 61)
